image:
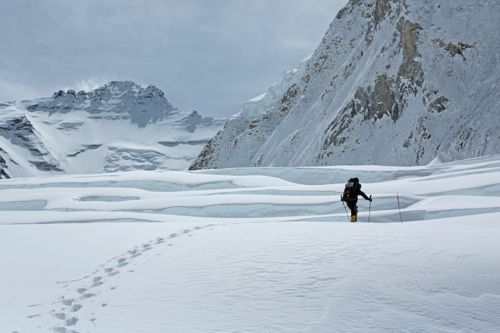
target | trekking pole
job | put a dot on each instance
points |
(370, 210)
(399, 207)
(346, 213)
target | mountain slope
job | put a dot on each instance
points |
(120, 126)
(395, 82)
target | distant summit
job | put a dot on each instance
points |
(126, 98)
(117, 127)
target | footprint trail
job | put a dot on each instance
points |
(84, 291)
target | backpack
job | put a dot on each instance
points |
(351, 190)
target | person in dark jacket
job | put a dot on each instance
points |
(350, 196)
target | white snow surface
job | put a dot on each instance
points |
(253, 250)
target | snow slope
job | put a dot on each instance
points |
(396, 82)
(120, 126)
(253, 250)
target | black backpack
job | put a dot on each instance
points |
(351, 189)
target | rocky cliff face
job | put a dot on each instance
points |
(120, 126)
(3, 167)
(396, 82)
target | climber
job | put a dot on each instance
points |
(350, 196)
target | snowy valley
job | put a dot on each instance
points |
(253, 250)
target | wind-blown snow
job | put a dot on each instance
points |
(253, 250)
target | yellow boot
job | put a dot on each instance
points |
(354, 218)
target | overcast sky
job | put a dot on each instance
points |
(206, 55)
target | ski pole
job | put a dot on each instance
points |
(399, 207)
(346, 213)
(370, 209)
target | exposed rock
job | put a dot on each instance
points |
(377, 90)
(382, 9)
(439, 104)
(3, 168)
(458, 49)
(347, 9)
(20, 132)
(408, 34)
(454, 49)
(194, 120)
(203, 161)
(85, 148)
(45, 166)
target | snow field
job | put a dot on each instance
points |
(253, 250)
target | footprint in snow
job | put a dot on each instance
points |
(134, 253)
(60, 315)
(87, 295)
(76, 307)
(33, 305)
(67, 301)
(111, 271)
(71, 321)
(97, 281)
(34, 316)
(122, 262)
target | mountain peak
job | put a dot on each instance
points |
(392, 82)
(114, 88)
(117, 127)
(122, 85)
(122, 99)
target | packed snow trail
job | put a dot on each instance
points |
(253, 250)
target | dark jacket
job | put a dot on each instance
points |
(359, 192)
(351, 194)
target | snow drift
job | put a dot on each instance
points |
(253, 250)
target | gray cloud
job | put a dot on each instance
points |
(206, 55)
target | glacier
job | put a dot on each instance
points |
(253, 250)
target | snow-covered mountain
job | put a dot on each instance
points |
(120, 126)
(397, 82)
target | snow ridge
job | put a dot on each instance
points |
(392, 82)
